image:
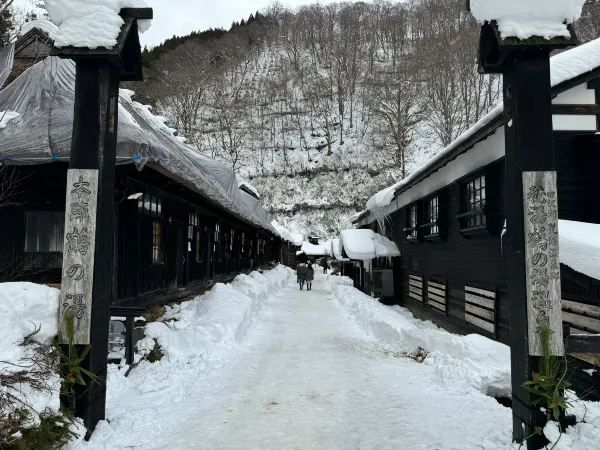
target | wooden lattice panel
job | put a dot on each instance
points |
(436, 295)
(415, 287)
(480, 308)
(582, 318)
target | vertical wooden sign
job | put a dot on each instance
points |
(78, 254)
(542, 262)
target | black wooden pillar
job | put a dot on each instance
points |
(94, 143)
(94, 147)
(529, 147)
(525, 66)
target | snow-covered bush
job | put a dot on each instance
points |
(30, 413)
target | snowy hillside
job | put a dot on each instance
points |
(322, 106)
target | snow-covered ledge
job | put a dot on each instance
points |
(88, 23)
(523, 19)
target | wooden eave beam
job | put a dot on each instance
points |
(576, 110)
(137, 13)
(592, 76)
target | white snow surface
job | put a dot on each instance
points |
(336, 250)
(466, 363)
(580, 246)
(90, 23)
(309, 249)
(25, 307)
(261, 364)
(524, 19)
(294, 238)
(7, 116)
(563, 67)
(242, 182)
(365, 245)
(304, 373)
(41, 24)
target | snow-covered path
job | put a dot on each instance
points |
(308, 377)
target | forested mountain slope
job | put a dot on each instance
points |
(321, 107)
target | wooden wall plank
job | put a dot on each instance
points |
(481, 301)
(440, 306)
(480, 323)
(582, 321)
(481, 292)
(581, 308)
(481, 312)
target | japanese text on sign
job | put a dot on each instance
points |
(542, 260)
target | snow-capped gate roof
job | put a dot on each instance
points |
(43, 96)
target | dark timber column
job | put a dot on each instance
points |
(531, 217)
(529, 147)
(88, 281)
(94, 147)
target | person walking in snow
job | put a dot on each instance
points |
(325, 266)
(310, 276)
(301, 273)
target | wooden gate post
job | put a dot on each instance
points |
(88, 257)
(531, 211)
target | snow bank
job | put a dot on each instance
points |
(580, 246)
(90, 23)
(199, 334)
(338, 280)
(582, 436)
(465, 362)
(24, 308)
(524, 19)
(366, 245)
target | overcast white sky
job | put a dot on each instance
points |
(180, 17)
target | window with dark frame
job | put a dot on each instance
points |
(411, 223)
(432, 228)
(198, 246)
(44, 231)
(150, 205)
(473, 198)
(157, 242)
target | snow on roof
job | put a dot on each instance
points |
(580, 247)
(336, 250)
(90, 23)
(366, 244)
(524, 19)
(244, 184)
(315, 250)
(294, 238)
(43, 130)
(564, 66)
(40, 24)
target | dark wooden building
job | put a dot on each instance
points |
(182, 221)
(448, 219)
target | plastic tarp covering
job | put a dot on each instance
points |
(44, 95)
(7, 55)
